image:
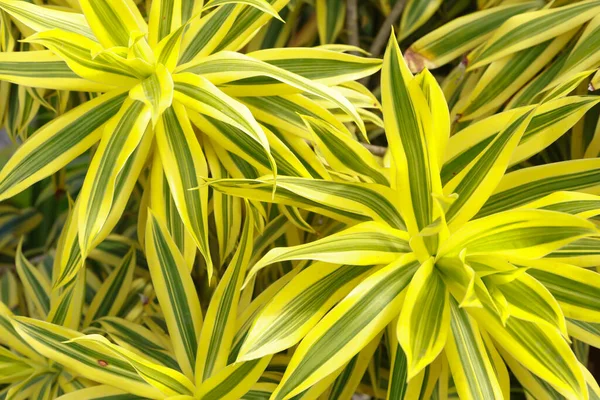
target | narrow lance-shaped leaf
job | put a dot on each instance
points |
(504, 77)
(574, 288)
(57, 143)
(52, 341)
(367, 243)
(113, 21)
(472, 369)
(462, 34)
(330, 19)
(424, 321)
(344, 153)
(233, 381)
(290, 315)
(542, 351)
(528, 234)
(408, 126)
(184, 164)
(330, 344)
(227, 210)
(261, 5)
(35, 283)
(42, 19)
(339, 200)
(120, 138)
(138, 339)
(530, 28)
(168, 381)
(200, 95)
(165, 17)
(317, 64)
(528, 184)
(89, 60)
(476, 182)
(219, 326)
(239, 66)
(176, 293)
(44, 69)
(415, 14)
(113, 292)
(204, 34)
(164, 207)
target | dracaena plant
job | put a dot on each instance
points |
(159, 80)
(471, 271)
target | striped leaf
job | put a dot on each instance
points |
(415, 14)
(550, 121)
(12, 339)
(168, 381)
(89, 60)
(233, 381)
(293, 312)
(247, 25)
(331, 343)
(343, 153)
(35, 284)
(285, 112)
(529, 184)
(408, 127)
(574, 288)
(472, 370)
(261, 5)
(530, 28)
(219, 326)
(528, 234)
(317, 64)
(113, 292)
(331, 15)
(139, 340)
(184, 163)
(506, 76)
(533, 384)
(425, 319)
(398, 364)
(204, 34)
(89, 359)
(364, 244)
(462, 34)
(198, 94)
(542, 351)
(57, 143)
(176, 293)
(583, 205)
(584, 55)
(339, 200)
(164, 208)
(476, 182)
(44, 69)
(225, 67)
(156, 92)
(113, 21)
(165, 17)
(227, 209)
(120, 138)
(587, 332)
(42, 19)
(584, 252)
(530, 299)
(347, 382)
